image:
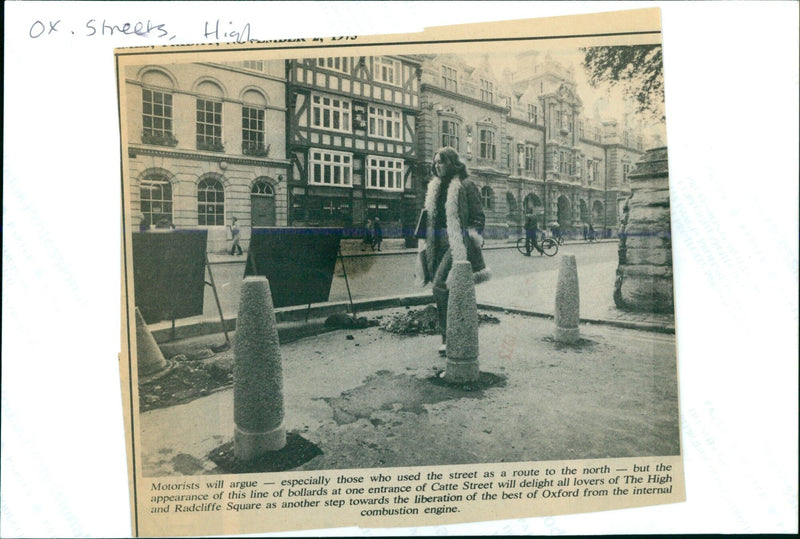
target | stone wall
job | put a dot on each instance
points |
(644, 274)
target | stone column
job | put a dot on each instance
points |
(644, 273)
(258, 375)
(149, 358)
(462, 326)
(567, 302)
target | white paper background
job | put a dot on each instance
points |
(732, 121)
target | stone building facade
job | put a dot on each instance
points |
(528, 143)
(351, 136)
(206, 143)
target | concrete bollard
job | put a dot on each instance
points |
(149, 359)
(567, 302)
(257, 375)
(462, 327)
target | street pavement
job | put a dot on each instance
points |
(518, 282)
(369, 398)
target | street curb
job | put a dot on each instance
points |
(299, 322)
(294, 322)
(624, 324)
(217, 258)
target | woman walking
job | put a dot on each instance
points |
(454, 230)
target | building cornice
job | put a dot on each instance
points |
(447, 93)
(134, 151)
(524, 123)
(259, 74)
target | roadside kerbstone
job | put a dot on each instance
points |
(149, 358)
(258, 409)
(567, 302)
(462, 327)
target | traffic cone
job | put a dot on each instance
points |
(149, 359)
(462, 326)
(567, 302)
(258, 375)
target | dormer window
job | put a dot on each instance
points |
(449, 78)
(487, 91)
(387, 70)
(533, 113)
(341, 64)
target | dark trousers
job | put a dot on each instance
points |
(236, 247)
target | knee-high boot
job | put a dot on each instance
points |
(440, 296)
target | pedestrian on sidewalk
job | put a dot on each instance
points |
(454, 232)
(377, 233)
(367, 241)
(235, 233)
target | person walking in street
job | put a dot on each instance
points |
(531, 228)
(235, 233)
(377, 233)
(454, 232)
(367, 241)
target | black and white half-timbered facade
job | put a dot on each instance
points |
(351, 140)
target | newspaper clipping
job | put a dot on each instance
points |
(402, 280)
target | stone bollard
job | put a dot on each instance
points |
(149, 359)
(567, 302)
(462, 327)
(257, 375)
(644, 273)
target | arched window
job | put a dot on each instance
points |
(262, 187)
(210, 203)
(157, 114)
(155, 196)
(487, 197)
(511, 202)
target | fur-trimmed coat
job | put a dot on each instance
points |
(465, 222)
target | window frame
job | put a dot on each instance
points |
(456, 135)
(255, 65)
(533, 113)
(345, 113)
(529, 164)
(449, 83)
(398, 169)
(487, 198)
(150, 182)
(330, 61)
(378, 119)
(155, 135)
(381, 65)
(487, 90)
(345, 165)
(205, 141)
(203, 201)
(489, 145)
(257, 146)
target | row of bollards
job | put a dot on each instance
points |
(258, 406)
(462, 318)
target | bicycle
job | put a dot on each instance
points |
(547, 246)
